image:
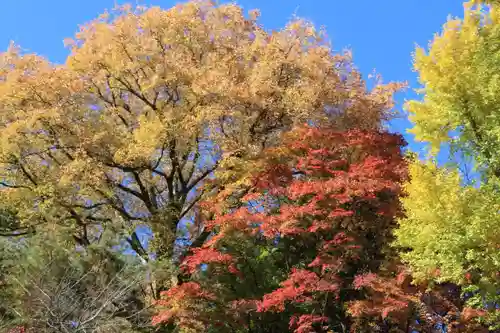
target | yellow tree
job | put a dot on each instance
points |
(451, 231)
(152, 104)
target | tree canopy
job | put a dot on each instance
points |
(450, 231)
(187, 170)
(150, 103)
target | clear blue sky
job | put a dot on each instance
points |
(382, 34)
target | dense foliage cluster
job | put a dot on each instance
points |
(315, 216)
(186, 170)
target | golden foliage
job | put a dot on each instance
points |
(151, 102)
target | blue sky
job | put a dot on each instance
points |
(381, 34)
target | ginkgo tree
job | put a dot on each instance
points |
(451, 230)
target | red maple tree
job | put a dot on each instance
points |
(326, 201)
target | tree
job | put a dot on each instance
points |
(50, 287)
(150, 104)
(154, 112)
(461, 88)
(452, 235)
(450, 232)
(290, 244)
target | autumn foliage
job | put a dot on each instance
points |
(324, 203)
(186, 170)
